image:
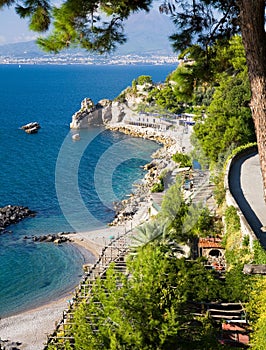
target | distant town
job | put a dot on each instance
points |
(136, 53)
(81, 58)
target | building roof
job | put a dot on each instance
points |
(210, 243)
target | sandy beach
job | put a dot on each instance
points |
(30, 329)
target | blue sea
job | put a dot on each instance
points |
(70, 184)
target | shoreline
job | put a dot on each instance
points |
(30, 328)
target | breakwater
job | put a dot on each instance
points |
(146, 133)
(11, 214)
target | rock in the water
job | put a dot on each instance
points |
(11, 214)
(31, 128)
(76, 137)
(56, 238)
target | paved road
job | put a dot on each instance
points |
(245, 182)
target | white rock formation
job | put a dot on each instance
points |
(104, 112)
(87, 115)
(109, 113)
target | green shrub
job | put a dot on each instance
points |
(219, 190)
(232, 219)
(237, 285)
(183, 159)
(246, 241)
(144, 79)
(259, 253)
(158, 187)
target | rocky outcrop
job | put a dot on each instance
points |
(107, 112)
(31, 128)
(146, 133)
(10, 345)
(119, 111)
(103, 113)
(56, 238)
(12, 214)
(88, 114)
(127, 208)
(91, 114)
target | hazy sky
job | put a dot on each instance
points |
(13, 29)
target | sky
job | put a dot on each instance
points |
(13, 29)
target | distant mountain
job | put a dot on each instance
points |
(147, 34)
(22, 49)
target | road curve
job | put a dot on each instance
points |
(245, 184)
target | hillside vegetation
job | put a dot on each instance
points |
(156, 303)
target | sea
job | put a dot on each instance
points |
(70, 184)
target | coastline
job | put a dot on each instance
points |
(30, 328)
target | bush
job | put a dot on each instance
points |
(257, 314)
(144, 79)
(259, 253)
(237, 285)
(219, 191)
(183, 159)
(232, 219)
(246, 241)
(158, 187)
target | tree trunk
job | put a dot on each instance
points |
(254, 40)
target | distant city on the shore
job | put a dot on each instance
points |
(29, 53)
(79, 59)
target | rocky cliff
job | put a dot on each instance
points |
(107, 112)
(104, 112)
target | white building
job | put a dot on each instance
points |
(148, 121)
